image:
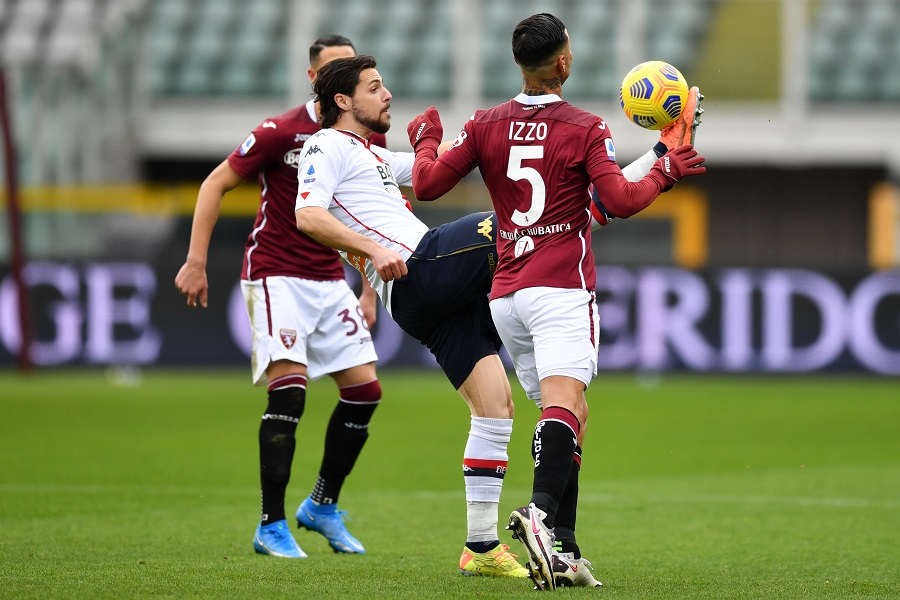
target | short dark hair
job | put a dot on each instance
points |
(537, 39)
(327, 41)
(339, 76)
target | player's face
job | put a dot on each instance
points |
(328, 54)
(372, 102)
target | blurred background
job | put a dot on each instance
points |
(783, 258)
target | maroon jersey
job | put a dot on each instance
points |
(537, 156)
(275, 246)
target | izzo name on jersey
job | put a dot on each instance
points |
(528, 131)
(535, 231)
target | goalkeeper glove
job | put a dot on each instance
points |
(683, 129)
(681, 162)
(426, 129)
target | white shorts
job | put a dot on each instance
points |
(549, 331)
(315, 323)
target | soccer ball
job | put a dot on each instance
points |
(653, 94)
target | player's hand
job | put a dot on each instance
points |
(685, 126)
(681, 162)
(388, 264)
(192, 282)
(426, 126)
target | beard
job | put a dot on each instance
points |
(380, 124)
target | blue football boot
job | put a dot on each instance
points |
(329, 521)
(275, 539)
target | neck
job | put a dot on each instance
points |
(541, 86)
(353, 127)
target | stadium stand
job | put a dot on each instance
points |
(854, 51)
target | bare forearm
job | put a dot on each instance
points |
(219, 182)
(318, 224)
(206, 214)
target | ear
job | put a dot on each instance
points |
(561, 65)
(311, 73)
(342, 101)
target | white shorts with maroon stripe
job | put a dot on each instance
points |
(549, 331)
(315, 323)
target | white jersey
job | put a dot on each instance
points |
(359, 185)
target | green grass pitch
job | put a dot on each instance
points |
(692, 487)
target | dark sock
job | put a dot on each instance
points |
(552, 447)
(482, 547)
(277, 443)
(564, 528)
(348, 430)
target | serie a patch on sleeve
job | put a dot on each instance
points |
(610, 149)
(248, 143)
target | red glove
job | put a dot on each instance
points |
(681, 162)
(426, 128)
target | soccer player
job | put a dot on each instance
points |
(306, 321)
(433, 282)
(537, 154)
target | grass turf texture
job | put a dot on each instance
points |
(692, 487)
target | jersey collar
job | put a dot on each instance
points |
(311, 110)
(532, 100)
(355, 136)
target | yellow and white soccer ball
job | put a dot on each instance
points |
(653, 94)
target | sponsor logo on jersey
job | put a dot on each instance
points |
(610, 149)
(310, 175)
(270, 124)
(302, 137)
(387, 177)
(314, 149)
(292, 157)
(248, 143)
(535, 231)
(288, 337)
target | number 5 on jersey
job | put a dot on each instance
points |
(516, 172)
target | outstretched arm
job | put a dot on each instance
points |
(191, 279)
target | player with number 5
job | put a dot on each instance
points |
(537, 155)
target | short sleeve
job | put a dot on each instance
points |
(321, 167)
(255, 154)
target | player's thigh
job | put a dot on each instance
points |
(341, 339)
(460, 340)
(282, 312)
(564, 325)
(519, 344)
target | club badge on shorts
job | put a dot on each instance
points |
(288, 337)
